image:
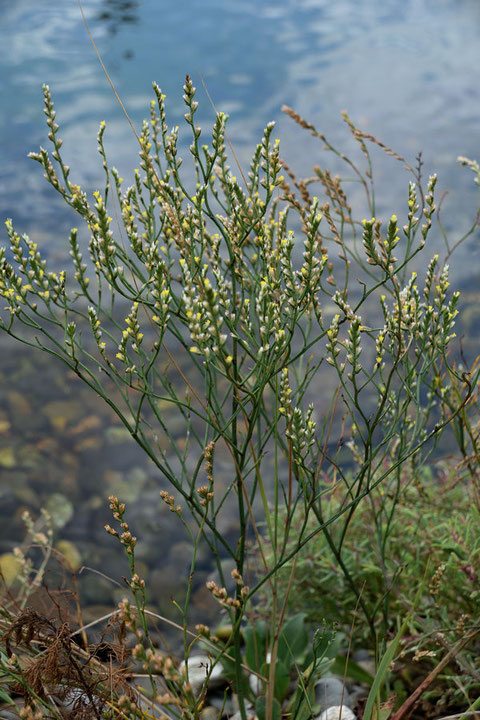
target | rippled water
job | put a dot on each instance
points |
(406, 70)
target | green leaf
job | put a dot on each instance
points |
(255, 645)
(354, 671)
(261, 707)
(293, 640)
(382, 672)
(282, 678)
(229, 670)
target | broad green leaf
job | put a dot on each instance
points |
(293, 640)
(255, 645)
(228, 668)
(354, 671)
(261, 706)
(282, 678)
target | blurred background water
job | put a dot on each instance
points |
(406, 70)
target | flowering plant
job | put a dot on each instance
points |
(197, 300)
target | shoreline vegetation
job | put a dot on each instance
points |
(308, 354)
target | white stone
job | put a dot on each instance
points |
(255, 682)
(330, 691)
(250, 714)
(333, 713)
(198, 669)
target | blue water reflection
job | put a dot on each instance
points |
(406, 70)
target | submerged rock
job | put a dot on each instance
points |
(18, 404)
(60, 510)
(10, 566)
(7, 457)
(117, 434)
(61, 413)
(4, 424)
(70, 552)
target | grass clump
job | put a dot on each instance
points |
(306, 354)
(418, 528)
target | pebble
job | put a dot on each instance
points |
(250, 714)
(76, 698)
(336, 713)
(223, 705)
(198, 668)
(18, 403)
(254, 681)
(71, 553)
(180, 556)
(330, 692)
(117, 434)
(10, 567)
(61, 413)
(60, 509)
(4, 424)
(7, 457)
(366, 661)
(209, 713)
